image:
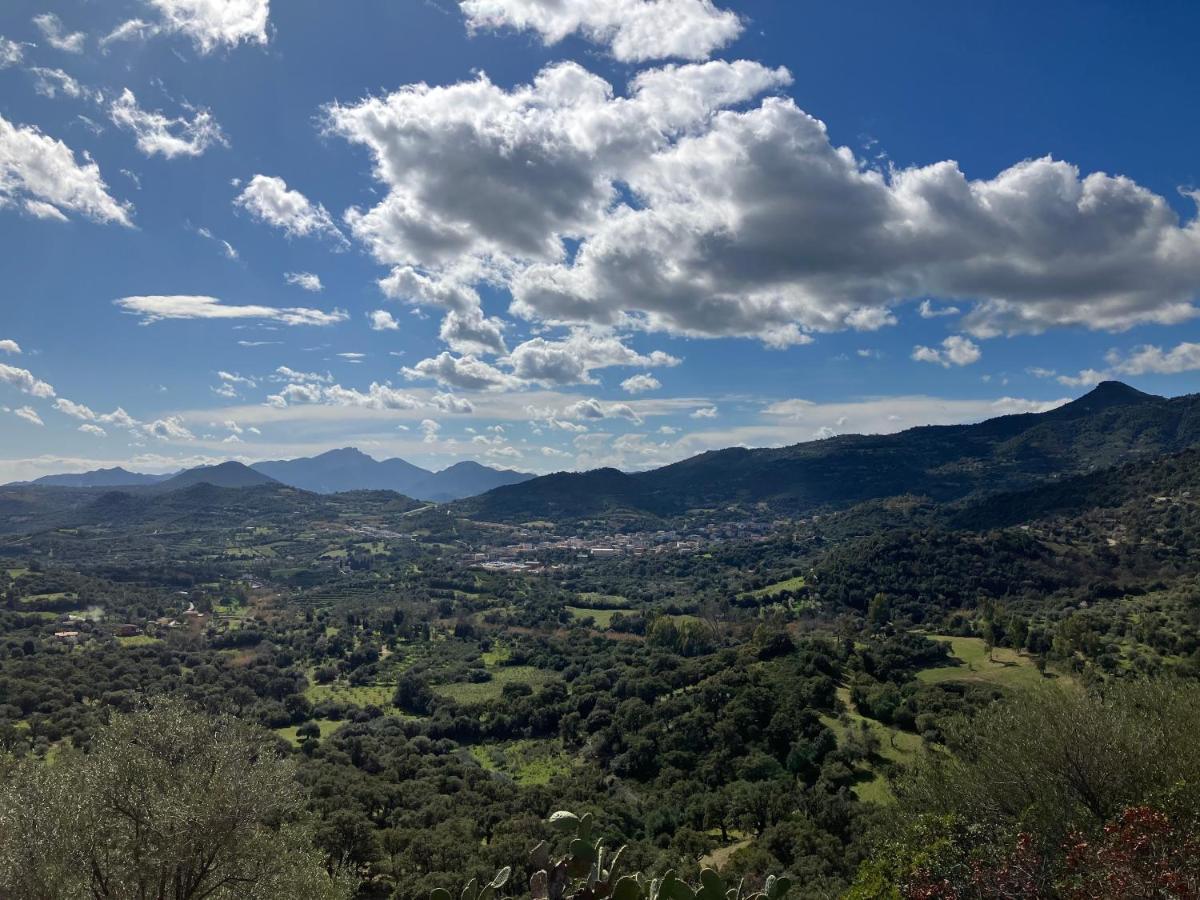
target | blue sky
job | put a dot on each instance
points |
(558, 235)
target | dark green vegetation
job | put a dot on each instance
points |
(1063, 794)
(757, 689)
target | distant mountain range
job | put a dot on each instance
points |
(336, 471)
(115, 477)
(352, 470)
(1112, 424)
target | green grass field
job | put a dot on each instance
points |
(485, 692)
(791, 584)
(327, 726)
(895, 746)
(497, 656)
(1005, 668)
(138, 640)
(591, 598)
(603, 617)
(876, 790)
(527, 762)
(46, 598)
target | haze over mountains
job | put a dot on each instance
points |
(347, 469)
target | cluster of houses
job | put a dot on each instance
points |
(74, 628)
(526, 555)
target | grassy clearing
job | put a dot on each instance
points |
(721, 856)
(138, 640)
(591, 598)
(252, 552)
(1005, 667)
(791, 584)
(327, 726)
(876, 790)
(374, 548)
(17, 573)
(895, 746)
(603, 617)
(527, 762)
(489, 691)
(47, 598)
(497, 656)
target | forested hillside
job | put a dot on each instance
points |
(1112, 424)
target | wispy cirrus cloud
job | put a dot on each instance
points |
(163, 135)
(157, 308)
(306, 280)
(56, 35)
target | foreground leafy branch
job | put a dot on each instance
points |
(589, 871)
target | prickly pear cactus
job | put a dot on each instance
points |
(588, 871)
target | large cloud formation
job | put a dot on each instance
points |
(681, 209)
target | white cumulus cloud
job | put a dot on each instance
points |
(956, 350)
(639, 384)
(382, 320)
(37, 169)
(269, 199)
(466, 372)
(208, 23)
(634, 30)
(25, 381)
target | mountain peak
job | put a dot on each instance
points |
(226, 474)
(345, 453)
(1117, 389)
(1104, 396)
(1110, 393)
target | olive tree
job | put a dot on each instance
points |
(169, 804)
